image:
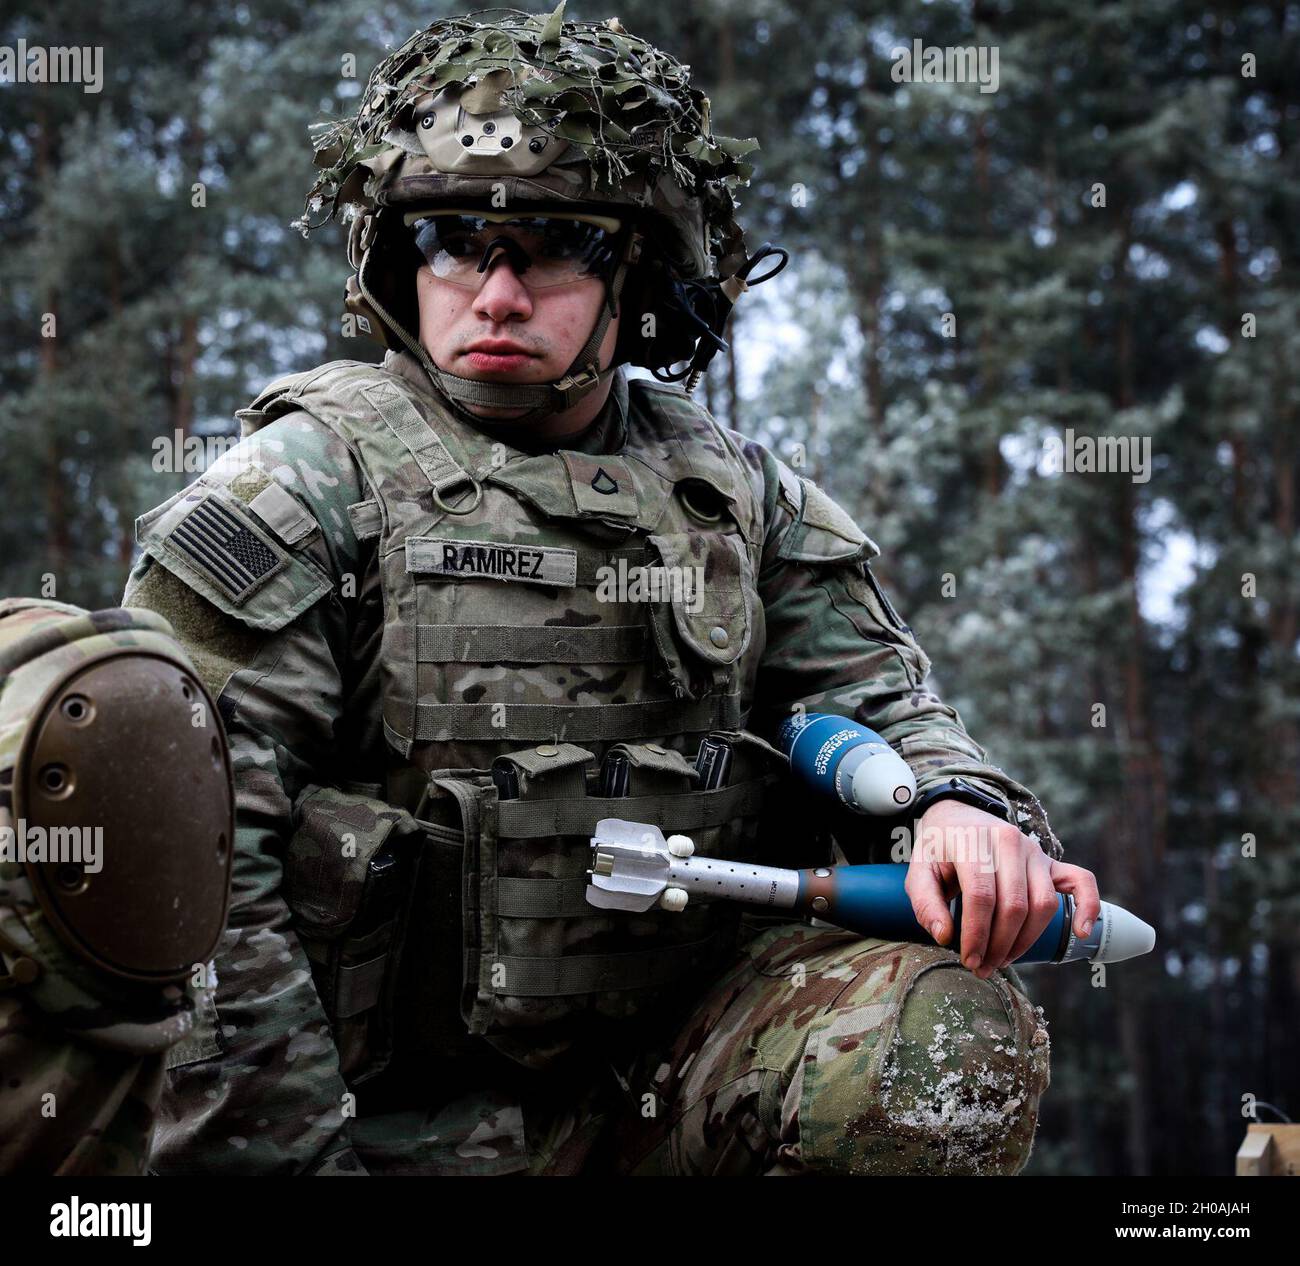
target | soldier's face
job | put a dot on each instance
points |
(505, 332)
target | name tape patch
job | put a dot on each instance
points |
(491, 560)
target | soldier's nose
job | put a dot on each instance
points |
(503, 293)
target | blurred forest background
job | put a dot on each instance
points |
(900, 202)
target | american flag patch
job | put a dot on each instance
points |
(214, 539)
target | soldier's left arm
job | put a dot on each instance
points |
(836, 644)
(260, 1089)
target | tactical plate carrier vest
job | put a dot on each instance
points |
(560, 633)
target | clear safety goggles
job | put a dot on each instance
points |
(544, 249)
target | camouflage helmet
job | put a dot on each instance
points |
(503, 108)
(116, 802)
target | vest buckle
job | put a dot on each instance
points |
(572, 387)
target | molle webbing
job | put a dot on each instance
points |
(532, 819)
(416, 435)
(467, 722)
(525, 898)
(546, 823)
(545, 644)
(592, 973)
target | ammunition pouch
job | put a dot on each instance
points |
(543, 969)
(348, 882)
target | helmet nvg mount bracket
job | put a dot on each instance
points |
(502, 110)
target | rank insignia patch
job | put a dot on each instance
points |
(213, 539)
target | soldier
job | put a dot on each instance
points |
(459, 606)
(116, 832)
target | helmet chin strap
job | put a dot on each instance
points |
(541, 399)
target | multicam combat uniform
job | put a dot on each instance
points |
(386, 600)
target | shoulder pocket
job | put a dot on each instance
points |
(882, 607)
(824, 532)
(234, 557)
(863, 587)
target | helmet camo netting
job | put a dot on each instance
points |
(625, 105)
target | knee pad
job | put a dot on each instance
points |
(922, 1068)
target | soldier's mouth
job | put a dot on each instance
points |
(497, 354)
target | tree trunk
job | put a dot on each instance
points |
(1141, 834)
(58, 536)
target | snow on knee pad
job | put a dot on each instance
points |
(923, 1070)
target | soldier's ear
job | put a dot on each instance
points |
(651, 330)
